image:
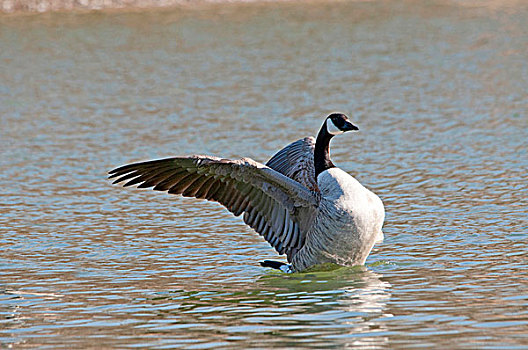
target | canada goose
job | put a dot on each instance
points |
(300, 202)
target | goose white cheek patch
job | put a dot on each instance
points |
(331, 128)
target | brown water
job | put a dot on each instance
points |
(439, 91)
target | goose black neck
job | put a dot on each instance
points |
(322, 159)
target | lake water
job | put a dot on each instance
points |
(438, 89)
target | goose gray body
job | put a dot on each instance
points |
(302, 204)
(347, 224)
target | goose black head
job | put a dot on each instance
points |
(338, 123)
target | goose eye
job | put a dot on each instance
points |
(339, 122)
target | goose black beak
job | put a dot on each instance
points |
(349, 127)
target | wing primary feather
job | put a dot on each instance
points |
(170, 181)
(295, 236)
(136, 180)
(130, 175)
(267, 207)
(155, 178)
(183, 184)
(275, 214)
(262, 224)
(289, 233)
(269, 235)
(263, 231)
(153, 164)
(287, 220)
(215, 189)
(125, 169)
(279, 223)
(274, 239)
(266, 230)
(250, 217)
(255, 219)
(245, 205)
(261, 205)
(255, 198)
(284, 225)
(279, 247)
(246, 216)
(193, 188)
(205, 187)
(180, 183)
(231, 195)
(257, 222)
(218, 192)
(238, 205)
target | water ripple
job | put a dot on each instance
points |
(438, 90)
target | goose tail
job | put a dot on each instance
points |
(277, 265)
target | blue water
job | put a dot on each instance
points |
(438, 90)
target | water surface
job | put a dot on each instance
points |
(437, 89)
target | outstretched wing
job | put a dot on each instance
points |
(275, 206)
(297, 162)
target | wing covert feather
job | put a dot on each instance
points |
(297, 162)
